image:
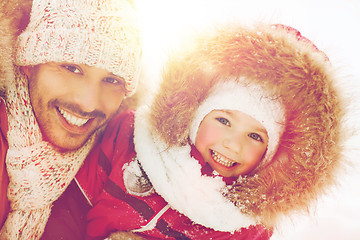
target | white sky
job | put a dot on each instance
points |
(333, 25)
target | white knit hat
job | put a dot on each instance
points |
(251, 100)
(103, 34)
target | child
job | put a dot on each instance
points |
(245, 129)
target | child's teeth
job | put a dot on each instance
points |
(220, 159)
(73, 120)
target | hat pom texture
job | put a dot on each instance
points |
(280, 60)
(103, 34)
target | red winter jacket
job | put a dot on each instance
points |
(116, 210)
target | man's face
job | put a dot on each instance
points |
(72, 101)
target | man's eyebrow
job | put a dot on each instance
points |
(117, 76)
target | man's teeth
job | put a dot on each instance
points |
(73, 120)
(221, 159)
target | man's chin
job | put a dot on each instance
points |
(68, 145)
(63, 141)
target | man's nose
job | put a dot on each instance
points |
(87, 97)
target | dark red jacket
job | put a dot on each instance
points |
(116, 210)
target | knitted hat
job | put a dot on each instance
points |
(102, 34)
(248, 99)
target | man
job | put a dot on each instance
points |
(73, 65)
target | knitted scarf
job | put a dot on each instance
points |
(38, 174)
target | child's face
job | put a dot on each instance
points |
(232, 142)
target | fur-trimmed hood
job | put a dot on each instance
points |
(287, 65)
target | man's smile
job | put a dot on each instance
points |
(73, 122)
(72, 119)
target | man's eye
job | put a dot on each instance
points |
(72, 68)
(256, 137)
(224, 121)
(113, 81)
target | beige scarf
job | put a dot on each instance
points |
(38, 174)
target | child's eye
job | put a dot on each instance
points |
(256, 137)
(72, 68)
(224, 121)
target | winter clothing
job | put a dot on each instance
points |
(129, 203)
(39, 174)
(294, 80)
(68, 214)
(68, 217)
(278, 60)
(96, 33)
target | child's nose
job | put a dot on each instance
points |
(234, 143)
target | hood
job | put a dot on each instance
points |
(286, 64)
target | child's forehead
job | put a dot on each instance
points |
(232, 112)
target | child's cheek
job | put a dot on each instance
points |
(209, 134)
(254, 155)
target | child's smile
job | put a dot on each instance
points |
(221, 159)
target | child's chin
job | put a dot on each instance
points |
(225, 173)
